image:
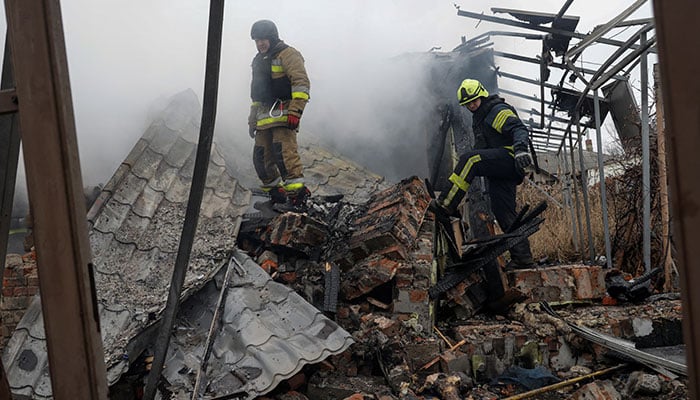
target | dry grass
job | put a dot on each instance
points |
(555, 239)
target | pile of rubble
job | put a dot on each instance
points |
(371, 267)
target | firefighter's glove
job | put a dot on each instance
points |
(251, 132)
(292, 122)
(523, 159)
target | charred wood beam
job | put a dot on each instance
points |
(9, 157)
(488, 249)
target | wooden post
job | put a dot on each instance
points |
(663, 182)
(678, 35)
(55, 186)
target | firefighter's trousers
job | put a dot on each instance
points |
(276, 157)
(498, 166)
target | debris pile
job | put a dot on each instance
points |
(371, 268)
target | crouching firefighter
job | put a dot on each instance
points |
(279, 91)
(501, 153)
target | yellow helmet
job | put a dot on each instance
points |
(470, 90)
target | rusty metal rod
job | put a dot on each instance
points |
(213, 328)
(565, 383)
(206, 134)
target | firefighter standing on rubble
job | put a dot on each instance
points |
(279, 91)
(501, 154)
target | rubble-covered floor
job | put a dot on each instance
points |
(383, 250)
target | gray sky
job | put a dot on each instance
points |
(125, 55)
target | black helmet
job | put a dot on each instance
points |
(264, 29)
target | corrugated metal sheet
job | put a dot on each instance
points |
(267, 334)
(135, 226)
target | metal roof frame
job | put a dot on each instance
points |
(628, 55)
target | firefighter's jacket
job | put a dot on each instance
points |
(280, 87)
(496, 124)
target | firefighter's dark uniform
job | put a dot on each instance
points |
(498, 132)
(280, 88)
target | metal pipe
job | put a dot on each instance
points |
(486, 36)
(522, 96)
(539, 61)
(489, 18)
(595, 84)
(603, 191)
(199, 176)
(579, 224)
(646, 173)
(601, 30)
(584, 192)
(544, 192)
(543, 68)
(622, 64)
(633, 22)
(526, 80)
(569, 201)
(562, 11)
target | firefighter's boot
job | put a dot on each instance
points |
(296, 201)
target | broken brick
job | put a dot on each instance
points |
(297, 231)
(366, 276)
(560, 283)
(599, 390)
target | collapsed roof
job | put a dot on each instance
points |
(135, 226)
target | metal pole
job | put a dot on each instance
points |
(579, 224)
(569, 201)
(663, 182)
(646, 178)
(9, 157)
(543, 68)
(540, 28)
(544, 192)
(206, 134)
(55, 186)
(601, 30)
(584, 192)
(603, 191)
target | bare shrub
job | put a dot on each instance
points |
(555, 239)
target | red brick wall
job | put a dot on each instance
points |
(19, 285)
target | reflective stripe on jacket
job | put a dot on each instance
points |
(287, 70)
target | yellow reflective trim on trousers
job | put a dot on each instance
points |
(272, 120)
(293, 186)
(277, 68)
(300, 95)
(256, 103)
(457, 180)
(463, 176)
(501, 118)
